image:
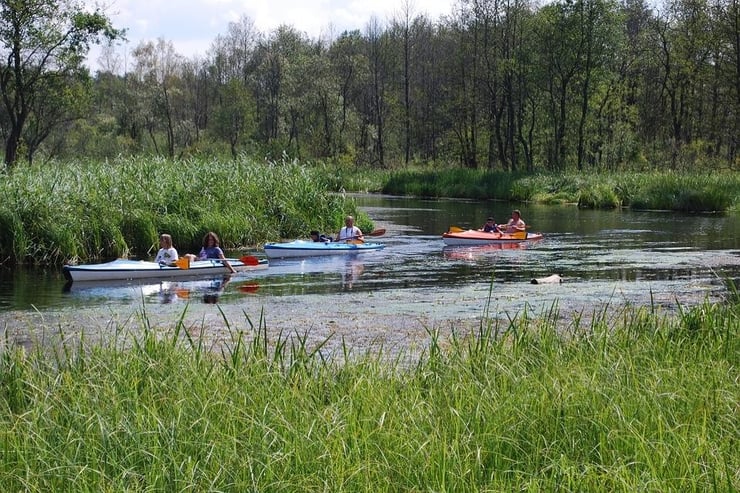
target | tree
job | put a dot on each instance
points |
(233, 119)
(41, 41)
(159, 69)
(59, 102)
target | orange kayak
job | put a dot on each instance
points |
(477, 237)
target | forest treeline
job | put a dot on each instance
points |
(574, 85)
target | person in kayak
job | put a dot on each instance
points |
(316, 237)
(211, 249)
(167, 255)
(490, 226)
(350, 231)
(516, 223)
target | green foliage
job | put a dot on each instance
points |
(632, 401)
(88, 210)
(48, 40)
(138, 226)
(601, 196)
(687, 192)
(651, 190)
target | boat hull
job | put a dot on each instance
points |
(301, 248)
(123, 269)
(475, 237)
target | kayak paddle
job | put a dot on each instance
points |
(357, 241)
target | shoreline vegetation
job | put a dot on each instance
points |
(632, 402)
(681, 192)
(85, 211)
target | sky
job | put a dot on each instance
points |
(192, 25)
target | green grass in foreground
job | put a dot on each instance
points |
(632, 402)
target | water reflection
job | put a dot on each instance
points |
(323, 274)
(215, 288)
(476, 251)
(207, 291)
(353, 269)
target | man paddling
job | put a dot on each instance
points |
(350, 231)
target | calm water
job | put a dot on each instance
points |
(633, 257)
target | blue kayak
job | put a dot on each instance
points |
(303, 248)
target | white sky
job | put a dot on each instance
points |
(192, 25)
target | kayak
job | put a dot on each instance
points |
(303, 248)
(477, 237)
(122, 269)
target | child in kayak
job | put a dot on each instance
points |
(490, 226)
(316, 237)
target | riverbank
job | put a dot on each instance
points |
(683, 192)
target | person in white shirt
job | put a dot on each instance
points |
(350, 231)
(167, 255)
(515, 224)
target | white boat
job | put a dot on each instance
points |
(122, 269)
(303, 248)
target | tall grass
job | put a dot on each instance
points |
(631, 401)
(666, 191)
(91, 210)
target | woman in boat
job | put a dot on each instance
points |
(350, 231)
(516, 223)
(167, 255)
(490, 226)
(211, 249)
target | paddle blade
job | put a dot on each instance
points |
(250, 260)
(519, 235)
(455, 229)
(183, 263)
(376, 232)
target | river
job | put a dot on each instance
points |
(415, 285)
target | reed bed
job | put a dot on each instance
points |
(715, 192)
(90, 210)
(632, 401)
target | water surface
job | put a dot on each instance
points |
(604, 257)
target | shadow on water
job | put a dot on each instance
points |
(599, 254)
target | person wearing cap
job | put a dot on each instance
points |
(490, 226)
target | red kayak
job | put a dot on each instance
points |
(478, 237)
